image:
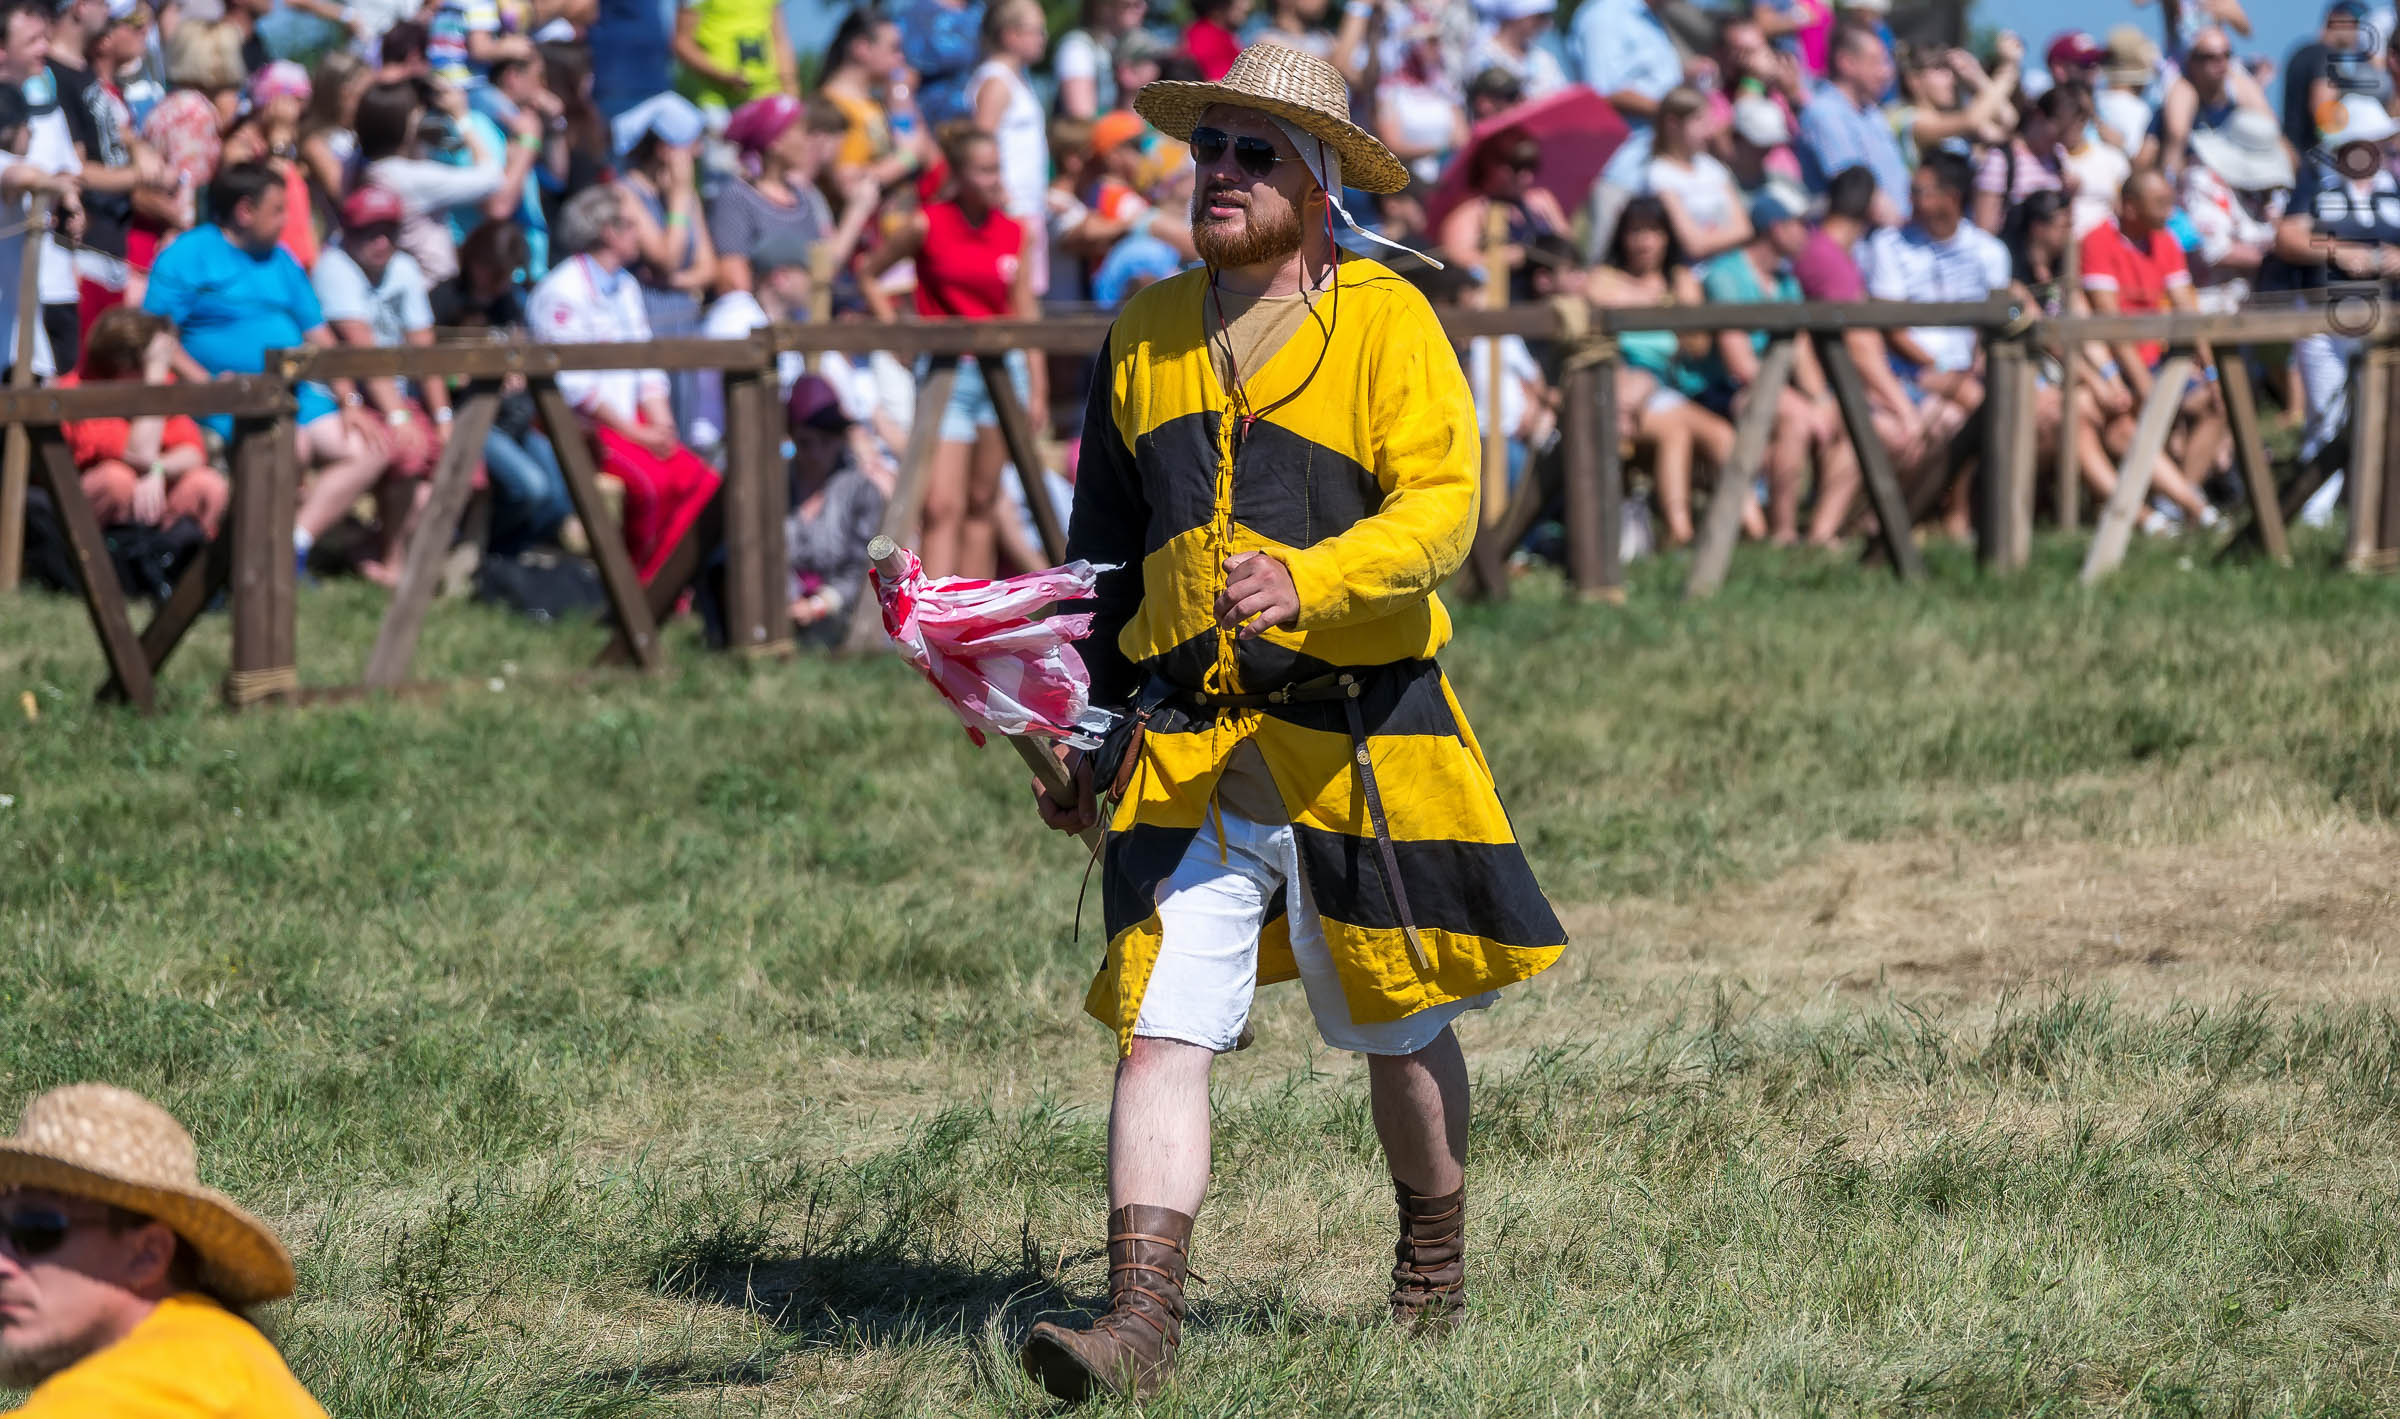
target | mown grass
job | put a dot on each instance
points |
(709, 1043)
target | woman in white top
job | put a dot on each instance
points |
(1418, 115)
(1015, 36)
(1086, 59)
(387, 120)
(1704, 209)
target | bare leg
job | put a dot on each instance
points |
(1837, 487)
(979, 534)
(1787, 465)
(1158, 1134)
(345, 470)
(945, 508)
(1671, 470)
(1420, 1106)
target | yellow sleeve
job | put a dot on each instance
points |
(1426, 456)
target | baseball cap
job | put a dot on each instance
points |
(1113, 130)
(371, 207)
(2076, 49)
(2360, 120)
(671, 116)
(1503, 11)
(814, 403)
(1777, 202)
(123, 9)
(1760, 122)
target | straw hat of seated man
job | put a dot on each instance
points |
(124, 1280)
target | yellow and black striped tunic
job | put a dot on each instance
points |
(1365, 486)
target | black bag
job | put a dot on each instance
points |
(147, 559)
(547, 586)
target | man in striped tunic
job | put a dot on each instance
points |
(1280, 461)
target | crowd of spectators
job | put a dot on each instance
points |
(619, 169)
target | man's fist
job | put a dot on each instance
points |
(1258, 594)
(1084, 812)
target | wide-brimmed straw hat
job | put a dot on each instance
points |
(114, 1146)
(1287, 84)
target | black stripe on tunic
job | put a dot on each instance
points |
(1471, 889)
(1138, 859)
(1178, 462)
(1298, 491)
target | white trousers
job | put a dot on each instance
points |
(2324, 362)
(1210, 913)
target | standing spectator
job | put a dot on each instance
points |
(2131, 68)
(863, 68)
(2234, 191)
(517, 84)
(1644, 269)
(391, 120)
(1697, 192)
(236, 294)
(2094, 171)
(20, 183)
(270, 134)
(1844, 126)
(790, 142)
(2203, 96)
(973, 263)
(1758, 145)
(1807, 421)
(1085, 62)
(678, 262)
(1005, 107)
(1417, 113)
(24, 63)
(328, 143)
(1514, 45)
(1939, 256)
(1503, 177)
(2311, 75)
(942, 41)
(1799, 29)
(836, 509)
(530, 505)
(1948, 101)
(632, 54)
(244, 16)
(1492, 92)
(592, 297)
(187, 131)
(2073, 57)
(733, 51)
(584, 157)
(2134, 266)
(151, 471)
(374, 297)
(90, 43)
(1300, 25)
(2337, 228)
(1213, 38)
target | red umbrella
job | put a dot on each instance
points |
(1576, 129)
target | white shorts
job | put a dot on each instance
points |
(1209, 915)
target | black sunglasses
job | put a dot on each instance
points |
(1256, 156)
(36, 1231)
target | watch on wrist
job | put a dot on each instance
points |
(352, 400)
(397, 418)
(444, 414)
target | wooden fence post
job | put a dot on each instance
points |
(1594, 478)
(2067, 475)
(636, 626)
(1025, 455)
(2250, 452)
(1892, 524)
(437, 527)
(103, 596)
(265, 568)
(2370, 411)
(1712, 555)
(2124, 510)
(2008, 411)
(16, 451)
(752, 611)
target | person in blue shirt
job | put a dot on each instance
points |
(1844, 125)
(1622, 50)
(632, 46)
(943, 41)
(234, 294)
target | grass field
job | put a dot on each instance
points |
(1985, 999)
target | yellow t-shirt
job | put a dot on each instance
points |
(189, 1359)
(738, 36)
(870, 135)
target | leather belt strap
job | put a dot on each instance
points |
(1343, 686)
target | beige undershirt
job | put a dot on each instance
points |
(1253, 330)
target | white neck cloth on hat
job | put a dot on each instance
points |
(1325, 165)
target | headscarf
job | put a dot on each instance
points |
(1325, 165)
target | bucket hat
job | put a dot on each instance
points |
(2246, 151)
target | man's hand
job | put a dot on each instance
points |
(149, 498)
(1258, 594)
(1085, 810)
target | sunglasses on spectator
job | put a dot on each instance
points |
(36, 1231)
(2211, 56)
(1255, 156)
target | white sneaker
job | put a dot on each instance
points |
(2156, 524)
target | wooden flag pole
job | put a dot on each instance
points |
(1038, 756)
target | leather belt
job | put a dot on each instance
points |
(1346, 687)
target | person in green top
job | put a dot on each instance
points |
(732, 51)
(1807, 420)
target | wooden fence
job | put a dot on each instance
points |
(253, 559)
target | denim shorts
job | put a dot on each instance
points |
(970, 406)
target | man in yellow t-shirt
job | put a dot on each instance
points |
(122, 1279)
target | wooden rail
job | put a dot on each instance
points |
(253, 560)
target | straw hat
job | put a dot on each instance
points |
(1283, 83)
(114, 1146)
(2132, 58)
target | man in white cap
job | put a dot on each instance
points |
(123, 1280)
(1280, 464)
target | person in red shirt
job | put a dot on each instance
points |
(2134, 266)
(1213, 38)
(153, 471)
(973, 263)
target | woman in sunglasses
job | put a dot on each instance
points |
(1503, 178)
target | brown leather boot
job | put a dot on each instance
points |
(1429, 1283)
(1131, 1350)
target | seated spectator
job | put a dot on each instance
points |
(789, 144)
(584, 155)
(592, 297)
(1938, 256)
(2132, 67)
(1644, 269)
(2031, 160)
(1844, 126)
(836, 511)
(1758, 145)
(1418, 115)
(2134, 266)
(2234, 191)
(1947, 101)
(375, 297)
(1827, 271)
(661, 144)
(270, 133)
(128, 1281)
(1808, 423)
(236, 294)
(151, 471)
(392, 151)
(512, 85)
(1502, 179)
(1513, 45)
(1697, 192)
(530, 506)
(780, 291)
(1491, 93)
(328, 141)
(1213, 38)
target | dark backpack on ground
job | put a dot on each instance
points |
(547, 586)
(147, 559)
